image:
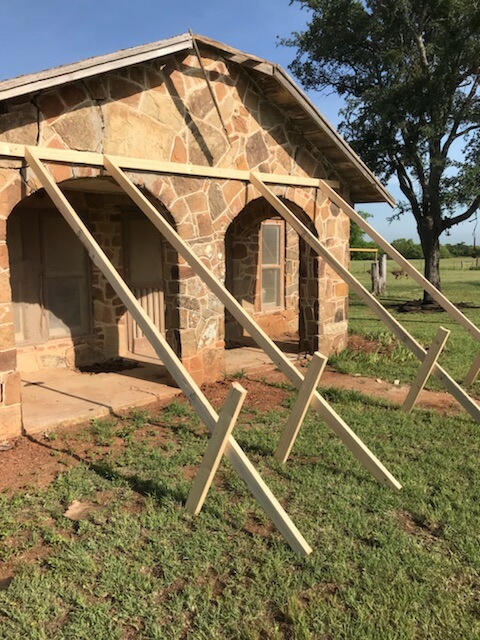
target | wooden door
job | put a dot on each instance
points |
(144, 269)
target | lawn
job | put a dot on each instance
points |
(385, 565)
(393, 360)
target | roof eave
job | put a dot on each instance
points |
(375, 191)
(92, 66)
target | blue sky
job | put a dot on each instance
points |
(37, 34)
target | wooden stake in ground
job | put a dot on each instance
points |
(379, 276)
(200, 403)
(473, 371)
(216, 448)
(300, 408)
(426, 368)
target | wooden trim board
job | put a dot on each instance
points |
(235, 454)
(92, 159)
(216, 448)
(300, 408)
(426, 368)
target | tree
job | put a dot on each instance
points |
(409, 72)
(408, 248)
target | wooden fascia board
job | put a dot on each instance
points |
(299, 96)
(92, 67)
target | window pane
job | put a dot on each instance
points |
(270, 287)
(145, 254)
(64, 253)
(271, 243)
(67, 314)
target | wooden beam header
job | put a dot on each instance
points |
(92, 159)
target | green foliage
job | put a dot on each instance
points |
(461, 250)
(413, 251)
(408, 248)
(410, 75)
(239, 375)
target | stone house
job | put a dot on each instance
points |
(212, 106)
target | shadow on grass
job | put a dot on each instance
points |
(148, 488)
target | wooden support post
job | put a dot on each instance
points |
(300, 408)
(426, 368)
(408, 340)
(473, 371)
(379, 276)
(334, 421)
(427, 286)
(208, 415)
(216, 448)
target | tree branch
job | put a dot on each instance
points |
(459, 117)
(408, 191)
(451, 222)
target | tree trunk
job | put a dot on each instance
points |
(431, 252)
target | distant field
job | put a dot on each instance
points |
(460, 284)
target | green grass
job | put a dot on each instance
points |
(459, 285)
(384, 566)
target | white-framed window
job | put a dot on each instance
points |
(272, 264)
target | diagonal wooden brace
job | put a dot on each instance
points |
(216, 448)
(372, 303)
(473, 371)
(325, 411)
(300, 408)
(426, 368)
(426, 285)
(208, 415)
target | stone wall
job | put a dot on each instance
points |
(163, 110)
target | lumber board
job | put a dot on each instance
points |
(93, 159)
(216, 448)
(192, 391)
(427, 286)
(326, 412)
(426, 368)
(300, 408)
(209, 85)
(408, 340)
(473, 371)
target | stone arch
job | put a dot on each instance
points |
(48, 302)
(295, 318)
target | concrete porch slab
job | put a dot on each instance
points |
(55, 397)
(62, 397)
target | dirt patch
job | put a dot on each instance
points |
(428, 531)
(260, 397)
(30, 464)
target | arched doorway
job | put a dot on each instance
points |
(66, 313)
(274, 275)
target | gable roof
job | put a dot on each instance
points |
(275, 81)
